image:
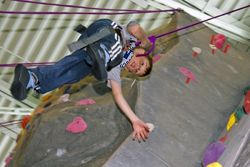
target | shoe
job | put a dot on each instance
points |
(18, 87)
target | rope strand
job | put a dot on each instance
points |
(158, 36)
(199, 22)
(76, 13)
(92, 8)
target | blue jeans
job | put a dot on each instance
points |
(70, 69)
(73, 67)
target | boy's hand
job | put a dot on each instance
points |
(141, 130)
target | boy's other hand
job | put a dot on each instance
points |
(141, 130)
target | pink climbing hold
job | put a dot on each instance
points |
(78, 125)
(219, 40)
(188, 74)
(8, 159)
(87, 101)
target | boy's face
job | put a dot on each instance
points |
(138, 65)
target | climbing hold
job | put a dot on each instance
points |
(77, 125)
(215, 164)
(151, 126)
(247, 102)
(239, 113)
(213, 153)
(231, 121)
(63, 98)
(47, 97)
(60, 152)
(223, 138)
(219, 41)
(25, 121)
(8, 159)
(196, 51)
(189, 75)
(87, 101)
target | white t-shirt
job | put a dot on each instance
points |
(115, 73)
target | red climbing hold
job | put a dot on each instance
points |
(189, 75)
(247, 102)
(25, 121)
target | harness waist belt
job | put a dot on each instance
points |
(89, 40)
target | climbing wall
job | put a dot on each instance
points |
(196, 84)
(76, 125)
(189, 98)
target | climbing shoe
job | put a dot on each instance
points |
(18, 87)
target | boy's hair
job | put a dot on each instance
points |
(149, 69)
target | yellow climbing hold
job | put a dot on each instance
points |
(214, 164)
(231, 121)
(46, 97)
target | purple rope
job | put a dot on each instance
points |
(92, 8)
(72, 13)
(152, 39)
(147, 53)
(27, 64)
(186, 27)
(199, 22)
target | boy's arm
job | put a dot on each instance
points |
(137, 31)
(141, 130)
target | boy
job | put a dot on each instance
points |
(104, 59)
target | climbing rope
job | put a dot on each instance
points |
(6, 127)
(8, 123)
(92, 8)
(151, 38)
(120, 11)
(28, 64)
(154, 38)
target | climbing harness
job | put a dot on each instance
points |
(84, 42)
(96, 51)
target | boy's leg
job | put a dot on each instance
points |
(70, 69)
